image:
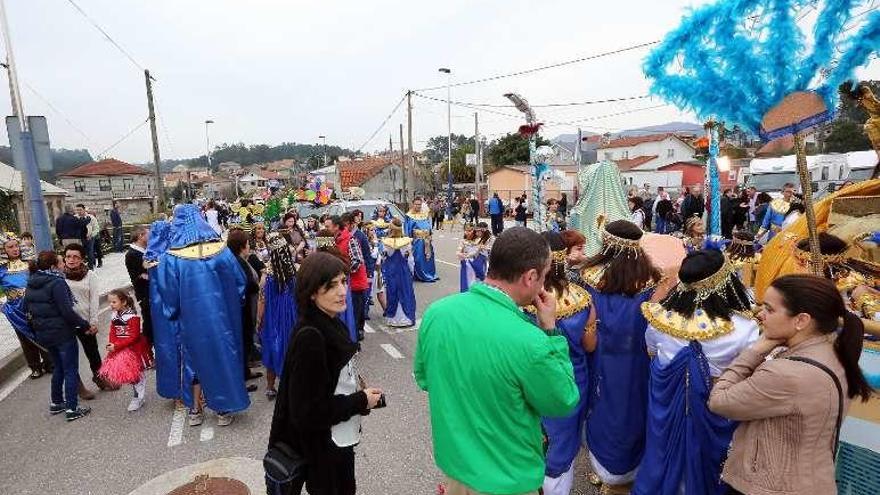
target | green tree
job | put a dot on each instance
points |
(437, 147)
(511, 149)
(850, 111)
(846, 136)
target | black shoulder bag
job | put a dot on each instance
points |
(839, 397)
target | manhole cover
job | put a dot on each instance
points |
(206, 485)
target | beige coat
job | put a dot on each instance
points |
(788, 413)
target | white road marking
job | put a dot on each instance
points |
(368, 328)
(448, 263)
(206, 434)
(178, 419)
(392, 351)
(14, 382)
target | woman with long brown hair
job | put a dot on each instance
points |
(620, 278)
(790, 406)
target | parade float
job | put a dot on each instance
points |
(774, 67)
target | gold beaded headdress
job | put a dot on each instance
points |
(713, 284)
(610, 241)
(324, 242)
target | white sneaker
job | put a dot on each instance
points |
(225, 419)
(135, 404)
(196, 418)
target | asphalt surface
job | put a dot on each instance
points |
(114, 452)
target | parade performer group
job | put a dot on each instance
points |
(418, 226)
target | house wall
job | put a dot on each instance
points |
(680, 152)
(136, 194)
(388, 184)
(54, 208)
(511, 184)
(692, 175)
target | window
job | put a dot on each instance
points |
(825, 173)
(104, 185)
(609, 155)
(128, 184)
(79, 186)
(670, 153)
(625, 155)
(731, 174)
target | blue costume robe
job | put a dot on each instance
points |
(398, 278)
(775, 217)
(203, 289)
(279, 318)
(619, 370)
(565, 434)
(418, 227)
(686, 443)
(13, 280)
(474, 267)
(347, 316)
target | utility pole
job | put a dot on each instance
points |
(577, 149)
(477, 169)
(411, 164)
(35, 216)
(160, 198)
(402, 155)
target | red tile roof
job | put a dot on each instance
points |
(631, 163)
(357, 172)
(635, 140)
(109, 166)
(682, 164)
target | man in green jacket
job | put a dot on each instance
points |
(491, 374)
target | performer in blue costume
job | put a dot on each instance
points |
(397, 275)
(619, 278)
(276, 310)
(418, 227)
(575, 320)
(173, 377)
(693, 334)
(203, 289)
(774, 219)
(327, 243)
(13, 280)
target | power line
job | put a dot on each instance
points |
(373, 135)
(554, 105)
(123, 138)
(545, 67)
(60, 114)
(110, 39)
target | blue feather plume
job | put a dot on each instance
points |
(736, 59)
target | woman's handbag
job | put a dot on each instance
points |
(285, 470)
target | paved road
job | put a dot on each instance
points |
(114, 452)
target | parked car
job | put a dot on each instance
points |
(368, 206)
(307, 208)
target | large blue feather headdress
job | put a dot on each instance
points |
(189, 227)
(160, 233)
(737, 59)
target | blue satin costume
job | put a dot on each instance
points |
(686, 443)
(619, 371)
(279, 317)
(13, 280)
(565, 434)
(203, 288)
(398, 284)
(476, 266)
(774, 217)
(424, 269)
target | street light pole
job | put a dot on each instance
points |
(324, 148)
(449, 198)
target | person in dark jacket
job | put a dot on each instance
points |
(320, 402)
(496, 214)
(116, 221)
(49, 305)
(71, 228)
(239, 243)
(140, 279)
(694, 204)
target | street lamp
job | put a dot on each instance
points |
(208, 142)
(324, 147)
(448, 73)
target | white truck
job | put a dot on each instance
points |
(827, 172)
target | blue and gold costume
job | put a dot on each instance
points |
(13, 281)
(203, 288)
(774, 218)
(418, 226)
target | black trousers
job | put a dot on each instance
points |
(733, 491)
(90, 347)
(497, 224)
(146, 319)
(247, 342)
(37, 359)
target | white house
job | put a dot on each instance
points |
(251, 180)
(646, 152)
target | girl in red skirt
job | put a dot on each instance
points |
(128, 352)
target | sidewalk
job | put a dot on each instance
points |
(111, 276)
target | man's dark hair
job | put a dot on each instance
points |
(75, 247)
(236, 240)
(138, 231)
(316, 273)
(26, 235)
(516, 251)
(338, 220)
(788, 185)
(80, 205)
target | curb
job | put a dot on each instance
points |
(14, 361)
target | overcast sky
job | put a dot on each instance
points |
(269, 71)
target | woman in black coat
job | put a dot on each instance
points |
(319, 404)
(49, 305)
